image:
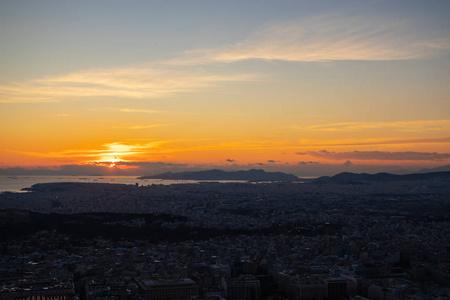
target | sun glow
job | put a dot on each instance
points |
(111, 163)
(110, 158)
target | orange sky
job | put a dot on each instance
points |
(291, 88)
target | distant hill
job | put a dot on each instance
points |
(445, 168)
(353, 178)
(250, 175)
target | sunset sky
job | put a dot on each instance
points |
(306, 87)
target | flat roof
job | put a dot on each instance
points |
(167, 282)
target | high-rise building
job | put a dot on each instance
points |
(336, 288)
(246, 287)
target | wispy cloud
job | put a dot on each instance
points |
(142, 164)
(304, 163)
(106, 152)
(380, 155)
(321, 38)
(405, 126)
(371, 142)
(327, 38)
(141, 126)
(140, 83)
(121, 150)
(133, 110)
(143, 149)
(62, 115)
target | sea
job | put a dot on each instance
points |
(16, 184)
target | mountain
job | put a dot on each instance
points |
(353, 178)
(250, 175)
(445, 168)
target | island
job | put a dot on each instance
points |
(215, 174)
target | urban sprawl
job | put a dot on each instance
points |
(366, 240)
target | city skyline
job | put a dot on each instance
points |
(309, 88)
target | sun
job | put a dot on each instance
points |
(112, 162)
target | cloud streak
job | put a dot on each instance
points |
(132, 110)
(418, 126)
(380, 155)
(333, 37)
(107, 152)
(138, 83)
(368, 142)
(330, 37)
(384, 142)
(136, 127)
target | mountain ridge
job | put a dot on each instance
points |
(253, 175)
(445, 168)
(347, 177)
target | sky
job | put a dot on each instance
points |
(305, 87)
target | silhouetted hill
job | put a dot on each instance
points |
(445, 168)
(250, 175)
(353, 178)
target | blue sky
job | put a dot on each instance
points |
(62, 36)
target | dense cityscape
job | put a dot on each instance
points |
(225, 150)
(352, 240)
